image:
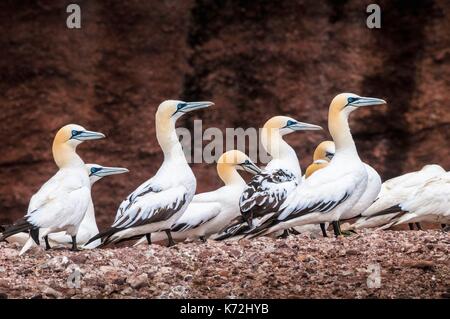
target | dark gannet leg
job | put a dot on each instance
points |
(74, 243)
(169, 237)
(285, 234)
(47, 245)
(249, 221)
(324, 231)
(411, 226)
(336, 228)
(149, 238)
(203, 239)
(34, 233)
(418, 226)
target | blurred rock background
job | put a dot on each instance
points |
(254, 59)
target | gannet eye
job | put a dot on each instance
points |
(247, 162)
(75, 133)
(290, 122)
(95, 170)
(352, 99)
(180, 106)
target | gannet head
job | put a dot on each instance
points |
(433, 168)
(97, 172)
(348, 102)
(315, 166)
(237, 160)
(73, 135)
(324, 151)
(285, 125)
(174, 109)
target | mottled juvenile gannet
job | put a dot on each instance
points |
(429, 203)
(211, 211)
(159, 202)
(61, 203)
(334, 189)
(266, 191)
(88, 227)
(394, 192)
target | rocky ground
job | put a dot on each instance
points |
(412, 264)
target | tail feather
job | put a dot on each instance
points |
(390, 210)
(104, 236)
(18, 227)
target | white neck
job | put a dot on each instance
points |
(280, 151)
(340, 131)
(65, 156)
(168, 140)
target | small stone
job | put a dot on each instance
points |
(138, 281)
(48, 291)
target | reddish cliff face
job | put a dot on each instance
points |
(253, 59)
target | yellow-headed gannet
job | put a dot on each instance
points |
(322, 156)
(88, 227)
(334, 189)
(266, 191)
(394, 192)
(210, 212)
(157, 203)
(61, 203)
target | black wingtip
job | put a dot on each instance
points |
(103, 236)
(390, 210)
(18, 227)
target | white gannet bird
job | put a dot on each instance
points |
(156, 204)
(210, 212)
(266, 191)
(394, 192)
(88, 227)
(334, 189)
(61, 203)
(322, 156)
(368, 197)
(429, 203)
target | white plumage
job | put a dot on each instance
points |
(157, 203)
(429, 203)
(334, 189)
(61, 203)
(394, 192)
(266, 191)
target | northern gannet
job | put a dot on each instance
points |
(322, 156)
(210, 212)
(266, 191)
(394, 192)
(429, 203)
(61, 203)
(334, 189)
(157, 203)
(88, 227)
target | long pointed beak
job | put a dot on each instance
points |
(106, 171)
(192, 106)
(89, 135)
(300, 126)
(368, 101)
(251, 168)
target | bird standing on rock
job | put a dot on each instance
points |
(334, 189)
(266, 191)
(159, 202)
(61, 203)
(88, 226)
(210, 212)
